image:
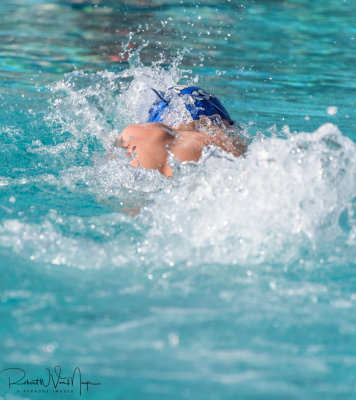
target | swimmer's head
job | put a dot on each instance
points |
(197, 102)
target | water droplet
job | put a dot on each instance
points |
(332, 110)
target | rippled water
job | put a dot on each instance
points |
(236, 278)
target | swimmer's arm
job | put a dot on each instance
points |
(230, 144)
(240, 146)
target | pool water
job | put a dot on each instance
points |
(236, 278)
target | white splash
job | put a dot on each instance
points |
(291, 193)
(100, 105)
(286, 194)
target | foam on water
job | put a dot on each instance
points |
(286, 195)
(46, 243)
(101, 104)
(291, 194)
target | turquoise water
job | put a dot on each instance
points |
(236, 280)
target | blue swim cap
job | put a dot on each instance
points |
(202, 103)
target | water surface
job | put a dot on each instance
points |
(236, 279)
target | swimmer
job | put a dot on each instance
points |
(204, 124)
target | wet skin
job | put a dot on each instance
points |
(149, 144)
